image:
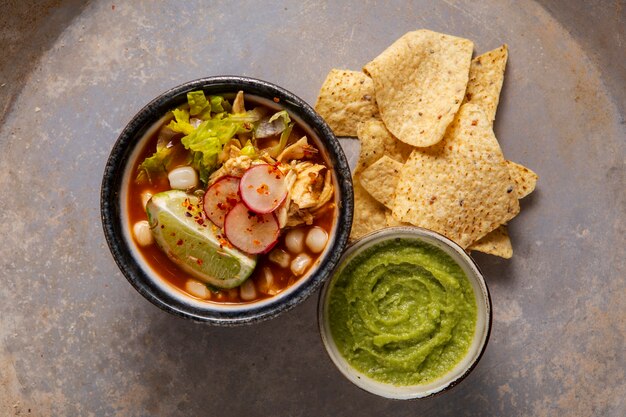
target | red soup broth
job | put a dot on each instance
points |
(158, 261)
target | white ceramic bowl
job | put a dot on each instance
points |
(483, 322)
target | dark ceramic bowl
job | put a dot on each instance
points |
(481, 332)
(117, 226)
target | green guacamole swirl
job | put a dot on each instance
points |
(402, 312)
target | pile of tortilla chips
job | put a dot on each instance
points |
(423, 111)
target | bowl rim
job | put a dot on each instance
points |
(110, 197)
(366, 383)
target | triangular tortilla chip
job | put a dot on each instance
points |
(485, 83)
(420, 81)
(496, 242)
(486, 76)
(460, 187)
(346, 99)
(376, 141)
(380, 179)
(525, 179)
(369, 214)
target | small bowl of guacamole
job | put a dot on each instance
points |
(407, 313)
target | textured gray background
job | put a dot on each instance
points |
(77, 340)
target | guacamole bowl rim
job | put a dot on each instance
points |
(479, 340)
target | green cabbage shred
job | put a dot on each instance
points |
(207, 126)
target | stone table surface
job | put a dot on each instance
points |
(77, 340)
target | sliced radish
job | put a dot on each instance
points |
(263, 188)
(220, 198)
(249, 231)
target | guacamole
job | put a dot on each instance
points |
(402, 312)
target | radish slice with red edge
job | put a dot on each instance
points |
(263, 188)
(220, 198)
(249, 231)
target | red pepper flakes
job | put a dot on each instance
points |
(199, 261)
(276, 100)
(263, 189)
(180, 242)
(224, 242)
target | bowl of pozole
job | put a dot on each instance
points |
(226, 200)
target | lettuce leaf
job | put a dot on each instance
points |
(203, 170)
(197, 102)
(249, 150)
(217, 107)
(154, 165)
(218, 103)
(275, 150)
(181, 123)
(283, 114)
(207, 141)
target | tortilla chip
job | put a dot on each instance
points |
(391, 222)
(369, 214)
(376, 141)
(496, 242)
(524, 178)
(486, 76)
(460, 187)
(346, 99)
(420, 81)
(380, 179)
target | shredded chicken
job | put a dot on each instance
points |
(231, 150)
(327, 191)
(309, 191)
(232, 166)
(299, 150)
(308, 186)
(297, 216)
(283, 211)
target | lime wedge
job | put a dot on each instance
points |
(194, 243)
